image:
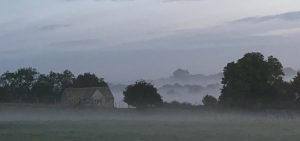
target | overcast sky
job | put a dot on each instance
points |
(134, 39)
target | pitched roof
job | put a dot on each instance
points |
(86, 92)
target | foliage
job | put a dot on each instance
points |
(28, 85)
(89, 80)
(43, 90)
(142, 95)
(209, 101)
(3, 95)
(253, 82)
(19, 84)
(296, 87)
(61, 81)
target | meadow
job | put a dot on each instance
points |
(50, 124)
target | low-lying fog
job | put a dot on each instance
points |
(19, 112)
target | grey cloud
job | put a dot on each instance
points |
(53, 26)
(79, 44)
(290, 16)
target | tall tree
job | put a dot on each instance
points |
(251, 81)
(142, 95)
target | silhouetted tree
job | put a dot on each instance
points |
(251, 82)
(209, 101)
(26, 85)
(61, 81)
(4, 97)
(19, 84)
(296, 87)
(142, 95)
(89, 80)
(43, 90)
(284, 96)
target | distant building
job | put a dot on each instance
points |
(93, 96)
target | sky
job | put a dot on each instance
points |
(124, 40)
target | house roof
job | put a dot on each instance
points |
(86, 92)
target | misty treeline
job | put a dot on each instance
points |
(30, 86)
(252, 82)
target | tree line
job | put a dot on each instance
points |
(252, 82)
(30, 86)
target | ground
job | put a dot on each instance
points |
(161, 125)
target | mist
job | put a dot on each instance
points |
(144, 70)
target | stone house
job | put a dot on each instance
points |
(92, 96)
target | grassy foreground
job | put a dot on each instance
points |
(56, 123)
(141, 130)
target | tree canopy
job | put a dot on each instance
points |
(19, 83)
(89, 80)
(28, 85)
(142, 95)
(253, 82)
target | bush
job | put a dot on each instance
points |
(142, 95)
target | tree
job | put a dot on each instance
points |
(209, 101)
(296, 86)
(285, 97)
(180, 73)
(61, 81)
(89, 80)
(43, 90)
(142, 95)
(27, 85)
(19, 83)
(251, 82)
(4, 97)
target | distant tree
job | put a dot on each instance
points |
(89, 80)
(142, 95)
(180, 73)
(209, 101)
(251, 82)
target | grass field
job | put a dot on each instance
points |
(149, 131)
(123, 125)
